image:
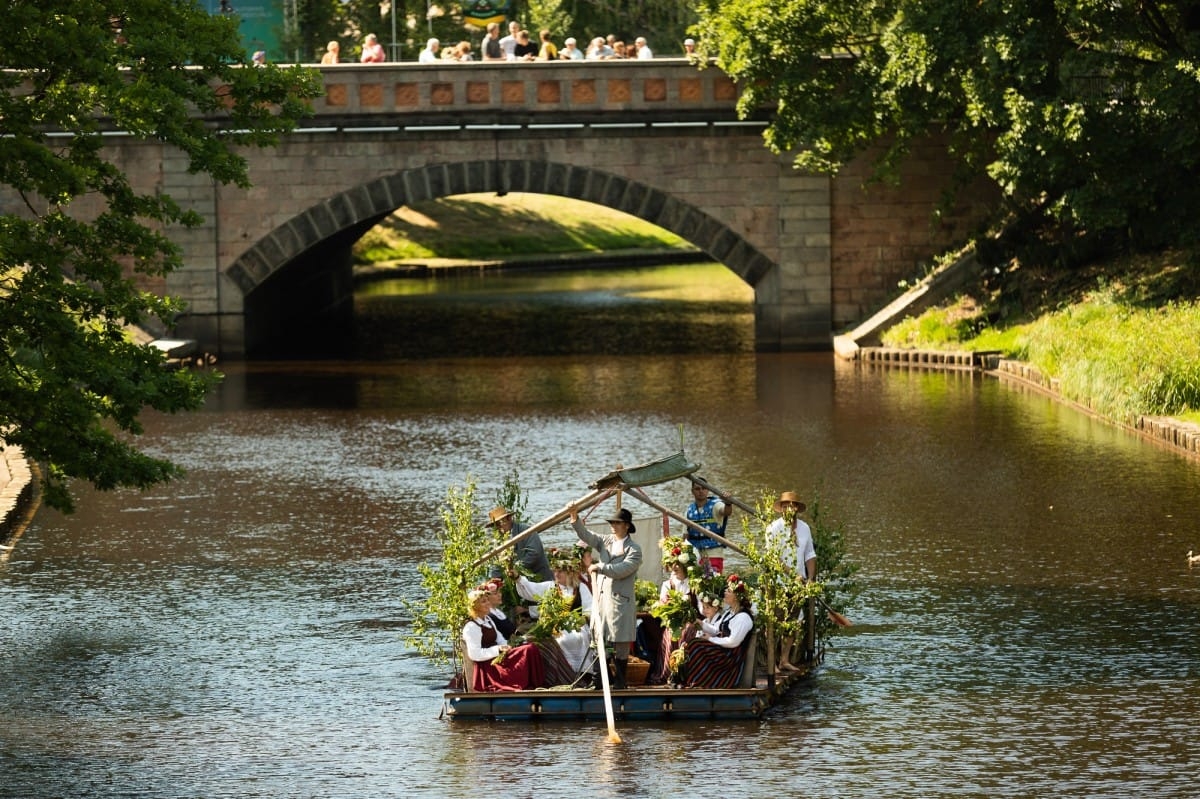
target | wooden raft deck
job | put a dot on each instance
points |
(638, 703)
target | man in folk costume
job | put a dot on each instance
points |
(793, 535)
(614, 606)
(712, 514)
(529, 553)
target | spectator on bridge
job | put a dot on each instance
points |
(599, 50)
(429, 54)
(618, 49)
(570, 52)
(259, 59)
(463, 53)
(331, 53)
(509, 43)
(689, 49)
(372, 52)
(489, 48)
(547, 51)
(525, 49)
(643, 50)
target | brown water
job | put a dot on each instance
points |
(1027, 625)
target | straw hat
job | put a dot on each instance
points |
(789, 497)
(496, 514)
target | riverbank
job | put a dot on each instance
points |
(420, 268)
(1178, 435)
(18, 495)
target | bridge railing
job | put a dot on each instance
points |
(659, 90)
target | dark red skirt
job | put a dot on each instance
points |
(521, 669)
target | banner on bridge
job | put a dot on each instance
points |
(482, 12)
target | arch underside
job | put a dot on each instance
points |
(360, 208)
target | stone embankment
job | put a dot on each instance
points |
(18, 493)
(1183, 437)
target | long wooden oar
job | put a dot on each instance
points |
(834, 616)
(585, 501)
(613, 738)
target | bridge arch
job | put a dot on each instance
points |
(297, 282)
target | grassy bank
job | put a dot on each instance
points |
(1123, 335)
(485, 226)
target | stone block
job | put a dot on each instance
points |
(583, 92)
(441, 94)
(478, 92)
(549, 91)
(370, 96)
(407, 95)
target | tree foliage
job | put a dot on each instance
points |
(76, 236)
(438, 617)
(1083, 113)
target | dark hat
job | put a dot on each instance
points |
(623, 515)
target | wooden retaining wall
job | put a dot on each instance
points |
(1182, 437)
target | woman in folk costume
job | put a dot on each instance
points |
(679, 560)
(564, 666)
(614, 608)
(518, 668)
(715, 660)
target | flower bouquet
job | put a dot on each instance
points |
(555, 615)
(677, 611)
(645, 593)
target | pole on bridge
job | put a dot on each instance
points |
(392, 14)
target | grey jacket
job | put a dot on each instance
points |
(614, 606)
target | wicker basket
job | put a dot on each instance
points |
(636, 671)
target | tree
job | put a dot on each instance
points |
(1083, 113)
(76, 238)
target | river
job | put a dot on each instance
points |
(1027, 624)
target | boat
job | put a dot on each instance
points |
(760, 688)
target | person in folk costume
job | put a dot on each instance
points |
(521, 667)
(715, 659)
(573, 645)
(529, 553)
(614, 607)
(793, 535)
(677, 561)
(712, 514)
(506, 626)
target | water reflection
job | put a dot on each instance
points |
(1027, 625)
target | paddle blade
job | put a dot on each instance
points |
(839, 619)
(613, 738)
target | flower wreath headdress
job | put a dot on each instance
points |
(678, 552)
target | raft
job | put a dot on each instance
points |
(650, 703)
(759, 689)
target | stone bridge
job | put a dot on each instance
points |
(656, 139)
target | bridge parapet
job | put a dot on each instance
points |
(548, 92)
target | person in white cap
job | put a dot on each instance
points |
(689, 48)
(570, 51)
(429, 54)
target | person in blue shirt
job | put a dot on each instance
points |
(712, 514)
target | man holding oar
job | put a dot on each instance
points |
(614, 607)
(712, 514)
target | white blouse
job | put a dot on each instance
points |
(473, 637)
